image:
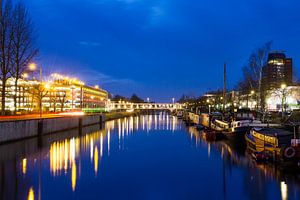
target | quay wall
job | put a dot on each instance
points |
(22, 129)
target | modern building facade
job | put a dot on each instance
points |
(277, 71)
(58, 94)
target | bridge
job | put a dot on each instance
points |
(122, 105)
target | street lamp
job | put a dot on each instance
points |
(173, 100)
(33, 67)
(148, 99)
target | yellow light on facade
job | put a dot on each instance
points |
(25, 75)
(47, 86)
(32, 67)
(283, 86)
(207, 100)
(252, 91)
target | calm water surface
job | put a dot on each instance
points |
(145, 157)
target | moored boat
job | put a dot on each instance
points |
(270, 144)
(235, 127)
(211, 135)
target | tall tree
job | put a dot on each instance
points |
(6, 43)
(24, 49)
(252, 72)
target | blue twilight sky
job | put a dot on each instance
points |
(160, 48)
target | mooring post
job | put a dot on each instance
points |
(40, 127)
(40, 133)
(102, 121)
(80, 126)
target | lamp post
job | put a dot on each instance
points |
(283, 87)
(33, 67)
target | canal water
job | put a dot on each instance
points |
(142, 157)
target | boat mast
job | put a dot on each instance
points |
(224, 89)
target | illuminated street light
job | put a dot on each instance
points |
(47, 86)
(252, 91)
(25, 75)
(283, 86)
(32, 67)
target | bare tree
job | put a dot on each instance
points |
(39, 92)
(252, 72)
(6, 44)
(24, 49)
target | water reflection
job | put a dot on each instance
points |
(127, 154)
(30, 194)
(258, 176)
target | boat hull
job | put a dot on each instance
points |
(263, 151)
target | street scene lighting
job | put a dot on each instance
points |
(283, 86)
(32, 67)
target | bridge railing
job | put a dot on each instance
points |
(143, 106)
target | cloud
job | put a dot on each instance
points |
(85, 43)
(93, 77)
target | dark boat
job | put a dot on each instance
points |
(270, 144)
(211, 135)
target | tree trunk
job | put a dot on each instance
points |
(15, 96)
(3, 91)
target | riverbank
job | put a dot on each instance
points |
(14, 129)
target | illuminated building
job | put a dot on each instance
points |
(278, 70)
(59, 93)
(291, 95)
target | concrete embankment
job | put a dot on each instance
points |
(22, 129)
(14, 130)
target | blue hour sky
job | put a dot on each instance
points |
(160, 48)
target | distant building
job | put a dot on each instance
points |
(277, 71)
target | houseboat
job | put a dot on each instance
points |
(273, 144)
(234, 128)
